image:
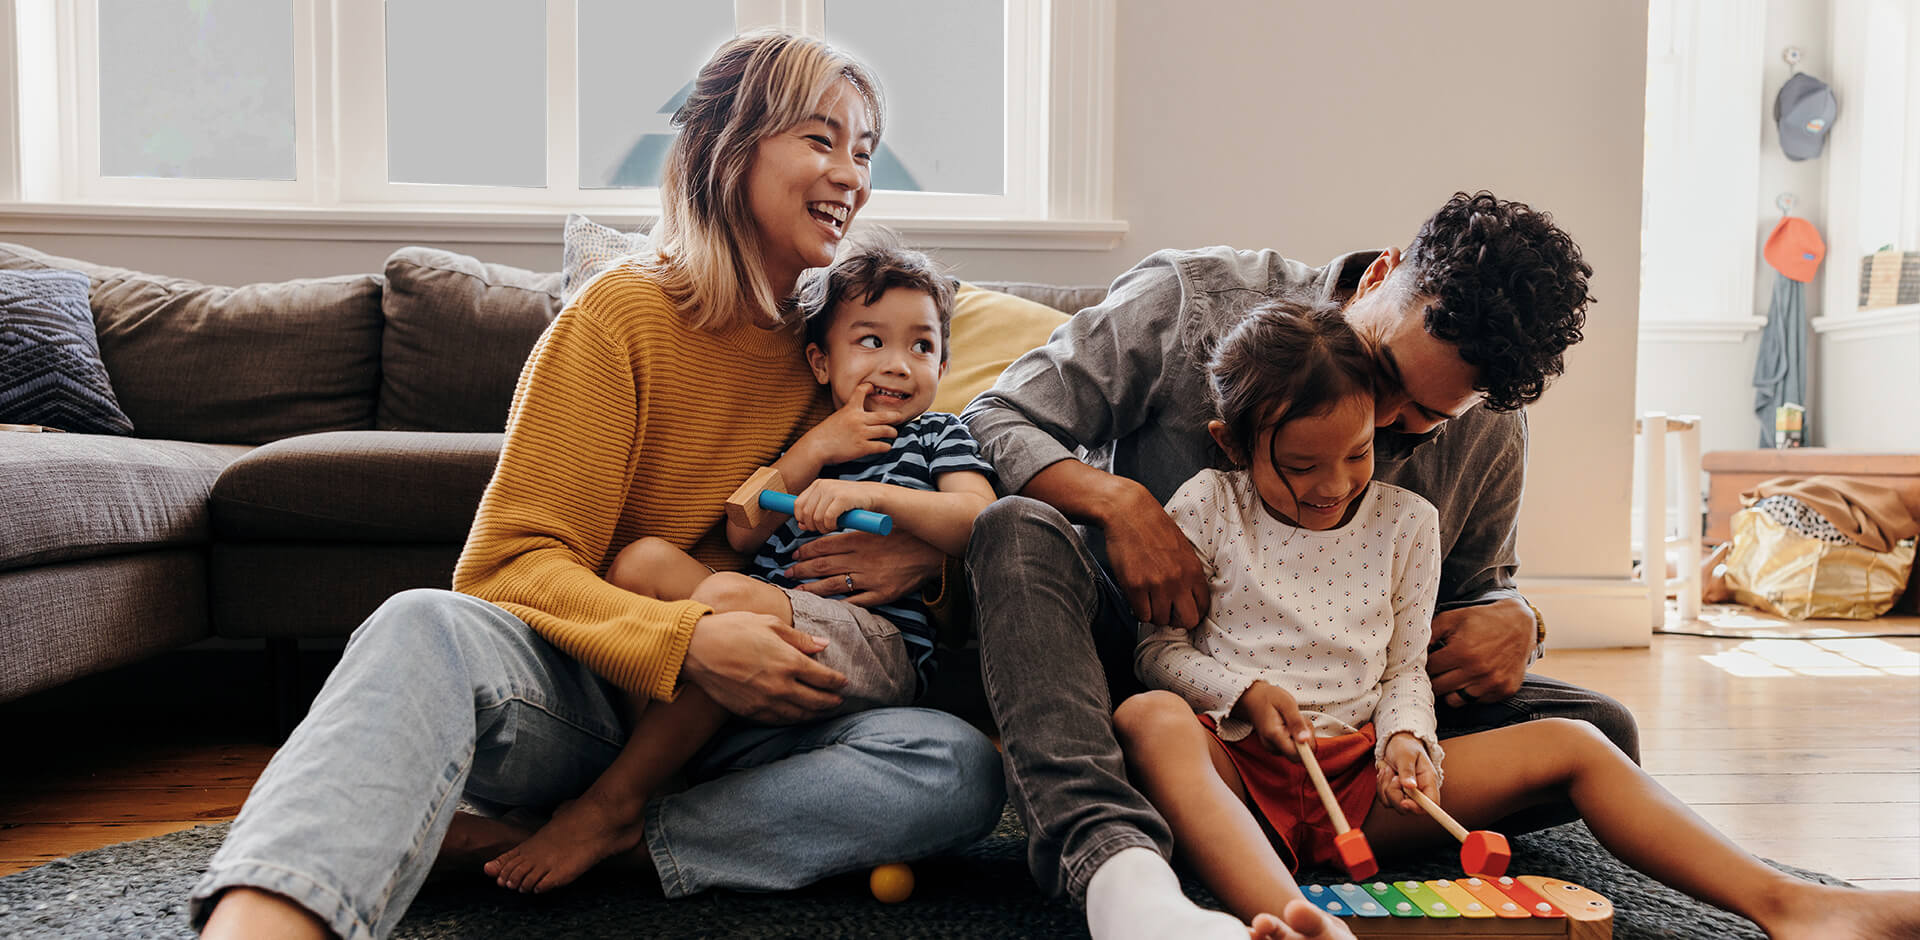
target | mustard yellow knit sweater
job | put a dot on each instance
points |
(625, 424)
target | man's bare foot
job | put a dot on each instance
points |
(1826, 912)
(582, 834)
(474, 840)
(1299, 920)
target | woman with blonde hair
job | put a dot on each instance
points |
(659, 388)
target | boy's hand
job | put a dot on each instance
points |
(1406, 766)
(849, 433)
(819, 507)
(1275, 716)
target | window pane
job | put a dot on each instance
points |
(467, 92)
(942, 65)
(199, 89)
(637, 62)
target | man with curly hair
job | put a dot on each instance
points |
(1468, 325)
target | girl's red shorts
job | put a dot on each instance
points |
(1285, 795)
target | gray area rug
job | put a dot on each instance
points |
(139, 889)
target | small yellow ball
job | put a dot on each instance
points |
(891, 883)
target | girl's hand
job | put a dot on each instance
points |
(1275, 716)
(1406, 766)
(849, 433)
(819, 507)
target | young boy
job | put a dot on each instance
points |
(877, 323)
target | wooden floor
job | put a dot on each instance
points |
(1805, 751)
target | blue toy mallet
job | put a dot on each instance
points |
(763, 492)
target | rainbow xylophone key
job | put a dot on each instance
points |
(1514, 906)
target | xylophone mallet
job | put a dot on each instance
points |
(1481, 852)
(1351, 843)
(763, 491)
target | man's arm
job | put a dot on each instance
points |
(1095, 381)
(1483, 632)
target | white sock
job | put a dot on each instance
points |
(1135, 895)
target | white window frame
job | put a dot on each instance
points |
(1864, 102)
(1059, 170)
(1702, 171)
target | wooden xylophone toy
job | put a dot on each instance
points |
(1518, 906)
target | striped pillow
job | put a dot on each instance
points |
(50, 368)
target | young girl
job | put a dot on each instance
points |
(1323, 585)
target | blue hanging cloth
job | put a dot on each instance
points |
(1780, 371)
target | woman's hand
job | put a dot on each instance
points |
(1404, 766)
(872, 569)
(760, 669)
(819, 507)
(1276, 717)
(850, 433)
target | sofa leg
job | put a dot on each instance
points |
(283, 671)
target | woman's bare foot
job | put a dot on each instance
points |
(1825, 912)
(472, 841)
(250, 912)
(583, 833)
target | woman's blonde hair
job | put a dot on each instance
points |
(708, 253)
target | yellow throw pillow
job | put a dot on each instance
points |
(990, 330)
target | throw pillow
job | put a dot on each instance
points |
(589, 248)
(990, 330)
(50, 368)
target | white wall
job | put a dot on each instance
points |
(1318, 128)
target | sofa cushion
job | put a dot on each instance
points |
(457, 333)
(72, 496)
(1062, 298)
(50, 368)
(990, 330)
(357, 486)
(196, 362)
(588, 248)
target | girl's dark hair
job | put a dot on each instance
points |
(1283, 361)
(873, 264)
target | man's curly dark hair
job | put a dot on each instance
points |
(1507, 287)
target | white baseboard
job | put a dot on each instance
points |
(1591, 613)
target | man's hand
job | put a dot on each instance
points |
(819, 507)
(1275, 717)
(759, 668)
(1405, 765)
(1479, 653)
(883, 567)
(1156, 566)
(850, 433)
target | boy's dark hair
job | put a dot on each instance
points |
(1507, 287)
(865, 272)
(1302, 358)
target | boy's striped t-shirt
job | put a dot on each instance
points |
(928, 446)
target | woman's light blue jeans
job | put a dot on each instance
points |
(440, 696)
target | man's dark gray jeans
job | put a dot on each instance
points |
(1056, 654)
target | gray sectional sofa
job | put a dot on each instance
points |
(302, 451)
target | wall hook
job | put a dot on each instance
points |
(1792, 55)
(1786, 202)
